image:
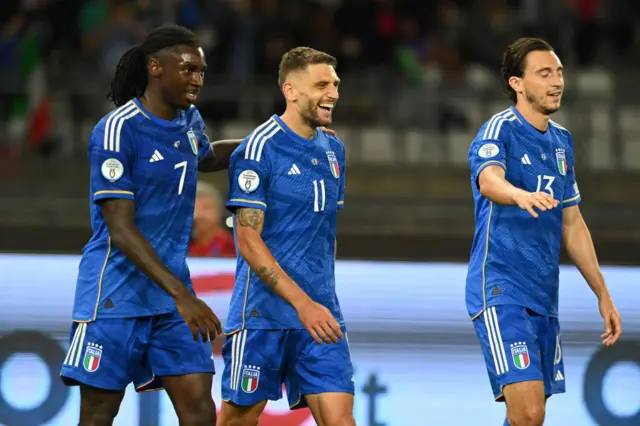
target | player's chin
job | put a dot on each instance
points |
(323, 121)
(551, 108)
(187, 100)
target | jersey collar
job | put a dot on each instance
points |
(179, 121)
(293, 135)
(546, 136)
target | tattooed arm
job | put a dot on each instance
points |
(249, 223)
(316, 318)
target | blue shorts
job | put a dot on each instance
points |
(258, 362)
(520, 345)
(110, 353)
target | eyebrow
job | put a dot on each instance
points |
(560, 68)
(192, 63)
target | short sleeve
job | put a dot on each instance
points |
(486, 152)
(111, 160)
(204, 147)
(248, 181)
(571, 191)
(343, 178)
(198, 134)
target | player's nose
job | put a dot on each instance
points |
(197, 80)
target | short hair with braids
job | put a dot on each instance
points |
(131, 76)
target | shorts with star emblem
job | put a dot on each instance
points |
(110, 353)
(520, 345)
(258, 362)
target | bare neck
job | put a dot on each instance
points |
(153, 102)
(537, 119)
(295, 122)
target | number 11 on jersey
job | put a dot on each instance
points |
(319, 196)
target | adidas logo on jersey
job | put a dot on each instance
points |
(294, 170)
(525, 159)
(156, 157)
(559, 376)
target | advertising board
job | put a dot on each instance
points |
(416, 356)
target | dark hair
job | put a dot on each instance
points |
(299, 58)
(514, 60)
(130, 78)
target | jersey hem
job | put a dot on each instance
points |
(124, 316)
(537, 310)
(234, 330)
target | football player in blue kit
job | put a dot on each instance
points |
(285, 325)
(526, 206)
(136, 318)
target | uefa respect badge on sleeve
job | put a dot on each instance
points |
(249, 181)
(112, 169)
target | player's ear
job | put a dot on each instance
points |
(290, 93)
(155, 67)
(515, 83)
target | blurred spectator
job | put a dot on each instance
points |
(209, 237)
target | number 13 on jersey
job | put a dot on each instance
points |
(548, 181)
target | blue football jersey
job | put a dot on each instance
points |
(299, 184)
(515, 257)
(137, 156)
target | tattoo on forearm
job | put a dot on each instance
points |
(250, 217)
(269, 276)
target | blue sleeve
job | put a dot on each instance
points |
(204, 146)
(489, 149)
(343, 178)
(111, 160)
(571, 191)
(248, 180)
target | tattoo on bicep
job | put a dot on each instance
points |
(269, 276)
(250, 217)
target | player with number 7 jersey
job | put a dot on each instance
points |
(135, 155)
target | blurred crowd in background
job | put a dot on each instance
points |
(419, 78)
(71, 47)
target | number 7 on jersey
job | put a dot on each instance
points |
(182, 164)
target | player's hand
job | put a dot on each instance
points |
(198, 316)
(319, 323)
(612, 321)
(540, 200)
(326, 130)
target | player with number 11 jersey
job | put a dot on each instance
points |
(285, 326)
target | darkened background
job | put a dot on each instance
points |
(419, 78)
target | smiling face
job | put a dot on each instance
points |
(542, 82)
(180, 74)
(314, 91)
